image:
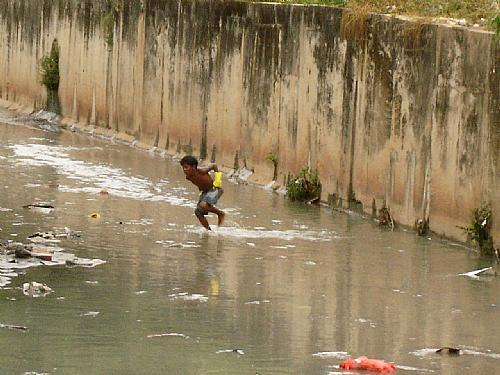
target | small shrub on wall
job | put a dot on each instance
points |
(49, 68)
(305, 186)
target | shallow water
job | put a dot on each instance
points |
(281, 288)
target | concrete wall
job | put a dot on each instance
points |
(390, 112)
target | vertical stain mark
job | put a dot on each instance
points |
(411, 161)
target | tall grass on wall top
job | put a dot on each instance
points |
(305, 186)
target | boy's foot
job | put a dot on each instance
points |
(221, 217)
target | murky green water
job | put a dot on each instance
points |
(295, 288)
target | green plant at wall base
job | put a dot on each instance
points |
(478, 231)
(305, 186)
(49, 68)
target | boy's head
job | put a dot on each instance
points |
(189, 164)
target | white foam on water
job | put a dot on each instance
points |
(4, 281)
(261, 232)
(463, 351)
(338, 355)
(92, 314)
(237, 351)
(409, 368)
(93, 178)
(189, 297)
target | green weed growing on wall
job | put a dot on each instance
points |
(49, 68)
(108, 25)
(305, 186)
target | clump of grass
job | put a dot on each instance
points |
(305, 186)
(338, 3)
(479, 230)
(495, 25)
(354, 23)
(49, 68)
(413, 33)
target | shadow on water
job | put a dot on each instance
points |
(281, 288)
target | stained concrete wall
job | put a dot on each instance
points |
(390, 112)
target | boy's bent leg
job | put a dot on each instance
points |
(202, 219)
(208, 207)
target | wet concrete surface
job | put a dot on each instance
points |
(281, 288)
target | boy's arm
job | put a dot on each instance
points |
(209, 167)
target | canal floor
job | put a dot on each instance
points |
(280, 288)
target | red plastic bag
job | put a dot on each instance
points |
(369, 364)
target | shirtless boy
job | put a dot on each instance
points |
(209, 194)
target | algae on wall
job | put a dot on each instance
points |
(389, 112)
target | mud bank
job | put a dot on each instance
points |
(392, 113)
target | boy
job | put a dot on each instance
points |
(209, 194)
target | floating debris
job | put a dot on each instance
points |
(4, 281)
(16, 256)
(189, 297)
(410, 368)
(461, 351)
(52, 236)
(257, 302)
(369, 364)
(488, 271)
(338, 355)
(449, 350)
(172, 334)
(11, 326)
(35, 289)
(44, 208)
(385, 218)
(92, 314)
(84, 262)
(94, 215)
(236, 351)
(22, 253)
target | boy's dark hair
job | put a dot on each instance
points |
(189, 160)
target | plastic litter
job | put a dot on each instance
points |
(217, 179)
(35, 289)
(369, 364)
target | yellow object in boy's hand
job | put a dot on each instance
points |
(217, 179)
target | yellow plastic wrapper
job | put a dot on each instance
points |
(217, 179)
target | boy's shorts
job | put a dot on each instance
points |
(211, 197)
